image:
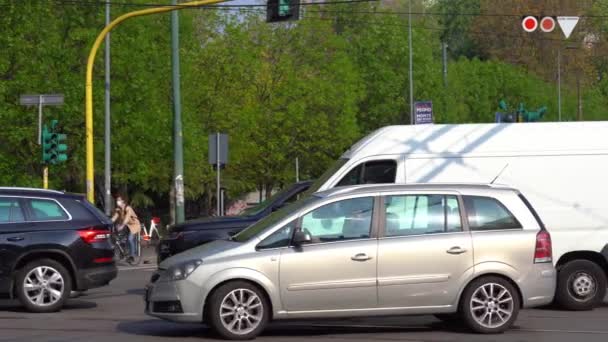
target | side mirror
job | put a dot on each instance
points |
(300, 238)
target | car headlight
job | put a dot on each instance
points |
(182, 270)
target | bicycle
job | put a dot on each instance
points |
(120, 241)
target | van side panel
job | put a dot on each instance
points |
(569, 191)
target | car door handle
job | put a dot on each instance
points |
(456, 250)
(360, 257)
(15, 238)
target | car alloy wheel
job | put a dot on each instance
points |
(241, 311)
(43, 286)
(491, 305)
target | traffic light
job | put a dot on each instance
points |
(53, 150)
(534, 116)
(282, 10)
(47, 145)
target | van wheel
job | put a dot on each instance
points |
(581, 285)
(43, 286)
(490, 305)
(238, 311)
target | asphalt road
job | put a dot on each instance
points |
(114, 313)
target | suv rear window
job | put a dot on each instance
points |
(10, 210)
(47, 210)
(486, 213)
(372, 172)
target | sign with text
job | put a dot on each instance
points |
(423, 111)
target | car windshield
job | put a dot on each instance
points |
(258, 208)
(271, 219)
(325, 176)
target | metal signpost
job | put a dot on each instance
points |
(41, 100)
(423, 111)
(218, 156)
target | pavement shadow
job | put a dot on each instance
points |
(138, 291)
(159, 328)
(71, 304)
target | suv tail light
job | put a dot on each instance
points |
(92, 235)
(543, 251)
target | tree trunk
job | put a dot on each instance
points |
(268, 187)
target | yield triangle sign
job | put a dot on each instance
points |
(567, 24)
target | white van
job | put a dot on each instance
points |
(562, 169)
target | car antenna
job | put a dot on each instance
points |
(500, 173)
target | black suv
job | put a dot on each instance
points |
(194, 233)
(51, 243)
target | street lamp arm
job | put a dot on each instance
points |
(89, 79)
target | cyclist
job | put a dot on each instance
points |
(124, 215)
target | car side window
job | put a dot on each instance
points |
(46, 210)
(421, 214)
(486, 213)
(280, 238)
(10, 211)
(372, 172)
(342, 220)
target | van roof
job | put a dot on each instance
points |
(483, 138)
(375, 188)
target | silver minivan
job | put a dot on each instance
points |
(473, 253)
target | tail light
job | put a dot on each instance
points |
(92, 235)
(105, 260)
(543, 251)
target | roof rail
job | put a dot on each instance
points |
(30, 189)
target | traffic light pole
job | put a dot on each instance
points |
(178, 139)
(40, 120)
(90, 182)
(108, 125)
(411, 73)
(45, 177)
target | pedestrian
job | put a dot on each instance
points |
(124, 215)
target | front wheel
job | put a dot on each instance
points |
(581, 285)
(490, 305)
(238, 311)
(43, 286)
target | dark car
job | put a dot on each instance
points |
(197, 232)
(51, 243)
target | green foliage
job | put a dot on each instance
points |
(305, 89)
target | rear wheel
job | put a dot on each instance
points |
(490, 305)
(238, 311)
(581, 285)
(43, 285)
